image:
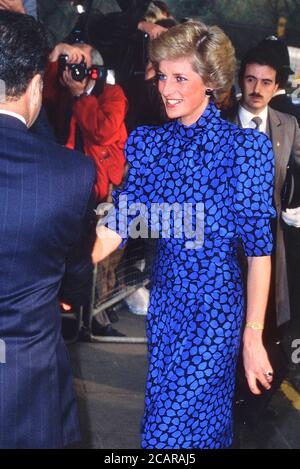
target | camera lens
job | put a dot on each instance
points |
(78, 71)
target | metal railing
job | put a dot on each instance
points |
(114, 279)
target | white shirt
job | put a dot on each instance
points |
(13, 114)
(279, 92)
(246, 118)
(89, 89)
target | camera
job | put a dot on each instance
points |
(79, 71)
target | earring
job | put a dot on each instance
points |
(209, 92)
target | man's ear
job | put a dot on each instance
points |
(276, 87)
(34, 96)
(35, 89)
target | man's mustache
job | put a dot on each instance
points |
(255, 95)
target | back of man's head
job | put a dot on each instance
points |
(24, 52)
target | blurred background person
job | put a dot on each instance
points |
(165, 12)
(88, 114)
(20, 6)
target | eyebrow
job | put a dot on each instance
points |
(269, 80)
(176, 74)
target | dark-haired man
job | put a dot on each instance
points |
(45, 192)
(291, 216)
(259, 80)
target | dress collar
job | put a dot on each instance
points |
(207, 120)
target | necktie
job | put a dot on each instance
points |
(257, 121)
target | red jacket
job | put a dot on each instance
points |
(101, 121)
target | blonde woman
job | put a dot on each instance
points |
(197, 306)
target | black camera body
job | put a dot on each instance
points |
(80, 71)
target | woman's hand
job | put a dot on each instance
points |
(256, 361)
(107, 241)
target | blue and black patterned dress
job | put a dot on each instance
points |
(196, 304)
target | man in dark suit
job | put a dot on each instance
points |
(259, 76)
(45, 193)
(281, 102)
(291, 216)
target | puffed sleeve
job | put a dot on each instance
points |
(252, 184)
(128, 202)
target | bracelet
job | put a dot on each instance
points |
(258, 326)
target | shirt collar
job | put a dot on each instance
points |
(13, 114)
(246, 118)
(90, 88)
(279, 92)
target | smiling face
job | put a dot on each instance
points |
(258, 87)
(182, 90)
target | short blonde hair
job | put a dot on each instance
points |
(211, 51)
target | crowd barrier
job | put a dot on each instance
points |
(115, 278)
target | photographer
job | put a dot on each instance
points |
(86, 112)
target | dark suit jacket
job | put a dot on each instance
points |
(44, 191)
(285, 137)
